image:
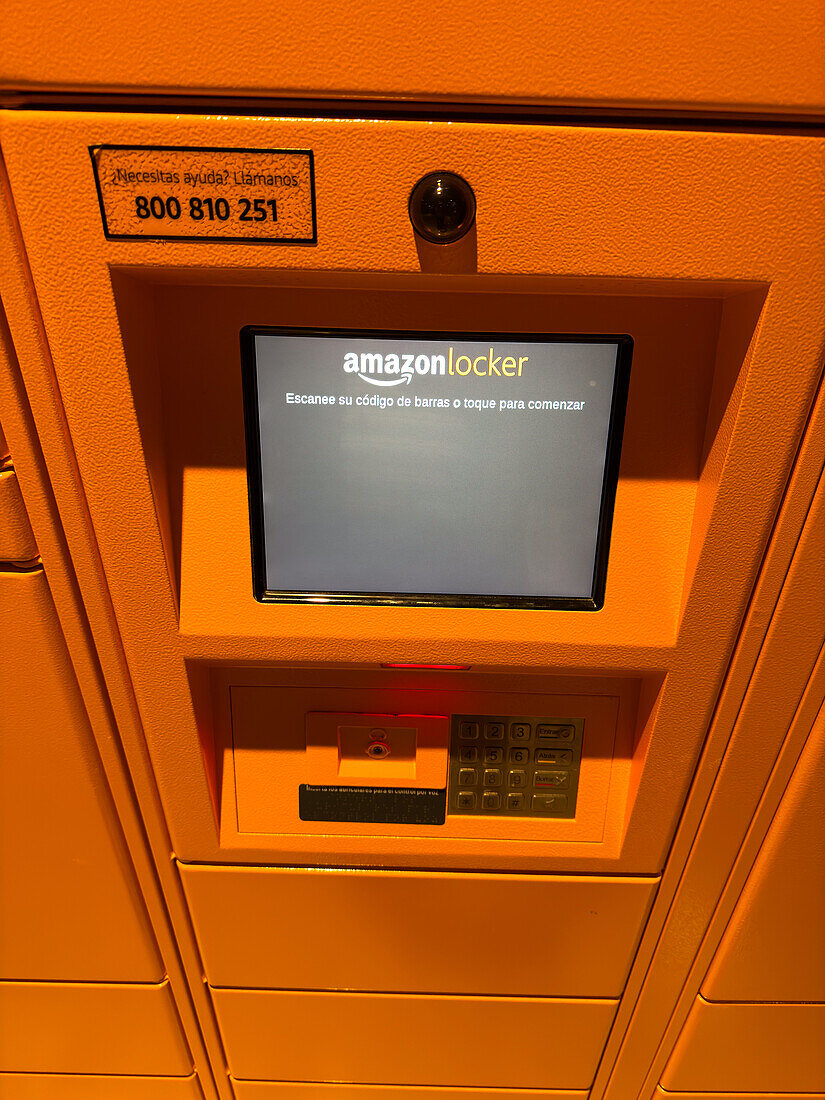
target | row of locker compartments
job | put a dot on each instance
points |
(436, 982)
(424, 932)
(455, 1045)
(35, 1086)
(90, 1028)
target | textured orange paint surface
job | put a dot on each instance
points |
(740, 55)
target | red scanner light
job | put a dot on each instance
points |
(413, 664)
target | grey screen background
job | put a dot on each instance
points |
(432, 500)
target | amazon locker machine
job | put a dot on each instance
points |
(427, 559)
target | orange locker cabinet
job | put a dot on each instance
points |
(493, 1042)
(161, 456)
(342, 953)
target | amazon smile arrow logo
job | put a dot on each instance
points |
(386, 381)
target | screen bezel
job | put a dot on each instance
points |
(618, 407)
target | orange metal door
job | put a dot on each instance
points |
(366, 1038)
(371, 930)
(71, 907)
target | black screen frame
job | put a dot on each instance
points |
(618, 407)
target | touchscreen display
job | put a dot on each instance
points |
(432, 468)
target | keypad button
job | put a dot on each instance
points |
(546, 732)
(551, 779)
(515, 801)
(493, 755)
(494, 731)
(517, 778)
(520, 731)
(492, 777)
(468, 754)
(549, 803)
(491, 800)
(467, 777)
(466, 800)
(562, 757)
(518, 756)
(468, 730)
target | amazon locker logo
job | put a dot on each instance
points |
(398, 368)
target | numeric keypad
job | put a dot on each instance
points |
(521, 766)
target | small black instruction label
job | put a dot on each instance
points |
(378, 805)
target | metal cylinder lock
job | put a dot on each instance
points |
(442, 207)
